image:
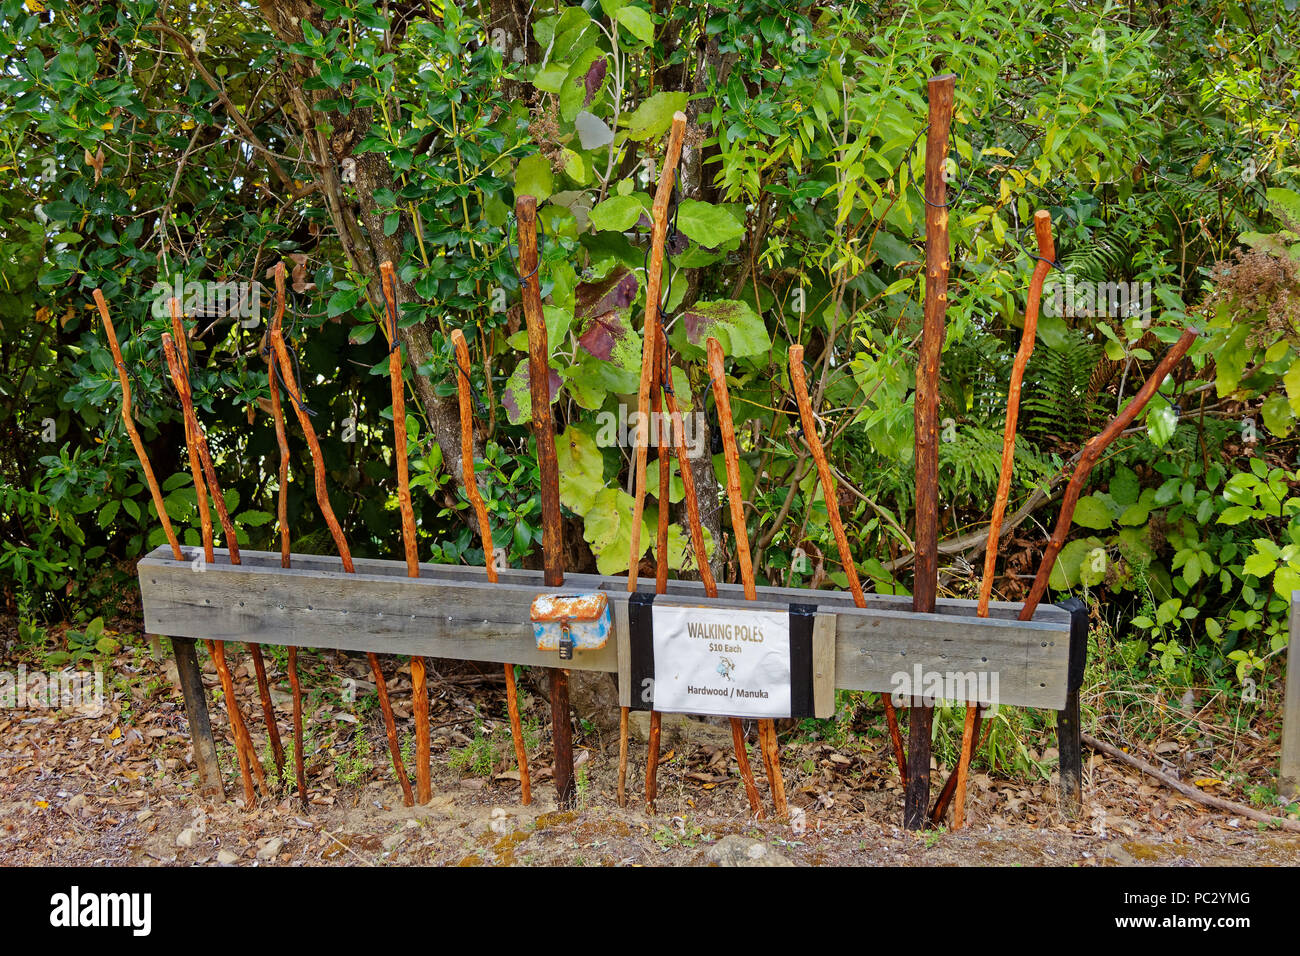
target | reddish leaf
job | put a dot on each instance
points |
(602, 334)
(615, 291)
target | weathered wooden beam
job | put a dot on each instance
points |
(261, 602)
(454, 612)
(1069, 731)
(1288, 776)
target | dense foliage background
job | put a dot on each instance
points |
(151, 142)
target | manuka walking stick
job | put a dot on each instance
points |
(419, 689)
(650, 331)
(809, 423)
(489, 552)
(916, 800)
(696, 528)
(970, 728)
(766, 728)
(1088, 458)
(655, 735)
(131, 430)
(649, 359)
(323, 500)
(282, 512)
(244, 750)
(228, 530)
(539, 376)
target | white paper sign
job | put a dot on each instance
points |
(721, 661)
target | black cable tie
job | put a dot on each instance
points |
(944, 205)
(474, 394)
(541, 241)
(1033, 255)
(298, 403)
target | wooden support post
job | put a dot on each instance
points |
(539, 378)
(196, 710)
(1288, 777)
(916, 803)
(1069, 740)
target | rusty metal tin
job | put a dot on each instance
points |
(569, 622)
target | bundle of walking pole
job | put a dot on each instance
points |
(654, 397)
(281, 366)
(655, 394)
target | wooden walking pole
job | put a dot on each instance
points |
(706, 576)
(1088, 458)
(131, 430)
(925, 584)
(650, 331)
(216, 649)
(419, 688)
(661, 587)
(200, 440)
(970, 729)
(649, 353)
(282, 513)
(327, 512)
(244, 752)
(809, 422)
(539, 372)
(489, 552)
(766, 729)
(205, 751)
(696, 527)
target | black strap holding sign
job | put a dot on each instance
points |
(801, 666)
(640, 625)
(640, 620)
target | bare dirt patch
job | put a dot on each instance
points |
(119, 788)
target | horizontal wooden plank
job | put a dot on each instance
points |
(455, 612)
(384, 613)
(1006, 610)
(1021, 663)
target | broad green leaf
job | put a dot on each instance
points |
(1230, 360)
(1285, 581)
(1285, 200)
(637, 22)
(617, 214)
(533, 177)
(654, 115)
(1091, 512)
(1276, 412)
(738, 329)
(681, 549)
(1124, 486)
(516, 397)
(1291, 380)
(581, 469)
(1093, 566)
(1161, 422)
(1260, 565)
(607, 527)
(1065, 572)
(709, 225)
